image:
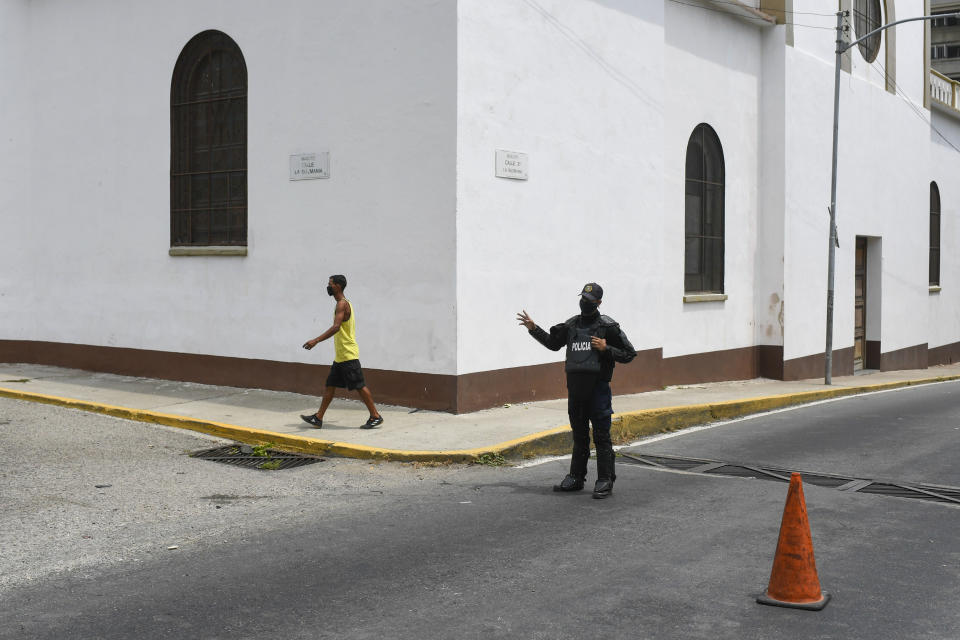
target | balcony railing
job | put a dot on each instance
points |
(944, 90)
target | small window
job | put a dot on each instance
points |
(208, 147)
(934, 235)
(867, 17)
(704, 211)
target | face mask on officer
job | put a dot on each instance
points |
(587, 308)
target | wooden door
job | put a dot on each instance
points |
(860, 306)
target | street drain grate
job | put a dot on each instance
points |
(911, 490)
(739, 471)
(681, 464)
(247, 456)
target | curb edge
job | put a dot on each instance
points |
(626, 426)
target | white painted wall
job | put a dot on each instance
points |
(874, 302)
(373, 82)
(713, 67)
(944, 306)
(807, 195)
(579, 87)
(883, 178)
(768, 263)
(412, 98)
(16, 220)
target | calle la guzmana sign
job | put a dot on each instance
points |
(310, 166)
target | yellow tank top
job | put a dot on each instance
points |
(345, 340)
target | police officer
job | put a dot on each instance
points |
(594, 343)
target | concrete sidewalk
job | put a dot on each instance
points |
(522, 430)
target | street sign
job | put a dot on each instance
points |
(310, 166)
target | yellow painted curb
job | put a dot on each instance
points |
(625, 428)
(284, 441)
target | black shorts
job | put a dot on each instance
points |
(346, 375)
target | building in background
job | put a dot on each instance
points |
(179, 180)
(945, 39)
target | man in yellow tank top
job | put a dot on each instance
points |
(345, 372)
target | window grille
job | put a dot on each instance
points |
(934, 235)
(208, 151)
(867, 16)
(704, 213)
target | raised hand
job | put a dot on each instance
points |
(526, 320)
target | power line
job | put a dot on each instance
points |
(700, 6)
(900, 93)
(637, 89)
(756, 18)
(796, 13)
(812, 26)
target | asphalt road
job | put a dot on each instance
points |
(344, 549)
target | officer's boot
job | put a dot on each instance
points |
(578, 461)
(603, 488)
(569, 483)
(605, 458)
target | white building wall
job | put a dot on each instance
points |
(374, 83)
(412, 98)
(579, 87)
(768, 264)
(713, 67)
(944, 306)
(15, 192)
(883, 169)
(807, 195)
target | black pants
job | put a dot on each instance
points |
(589, 401)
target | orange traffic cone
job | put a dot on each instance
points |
(793, 580)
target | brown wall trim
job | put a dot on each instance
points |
(764, 360)
(645, 373)
(714, 366)
(813, 366)
(459, 394)
(486, 389)
(873, 355)
(423, 390)
(770, 361)
(469, 392)
(914, 357)
(944, 354)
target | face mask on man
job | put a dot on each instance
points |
(587, 308)
(329, 290)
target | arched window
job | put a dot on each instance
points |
(934, 235)
(703, 257)
(208, 146)
(867, 16)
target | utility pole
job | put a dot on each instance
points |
(842, 48)
(832, 249)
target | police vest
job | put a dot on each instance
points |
(581, 356)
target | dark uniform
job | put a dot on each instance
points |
(589, 372)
